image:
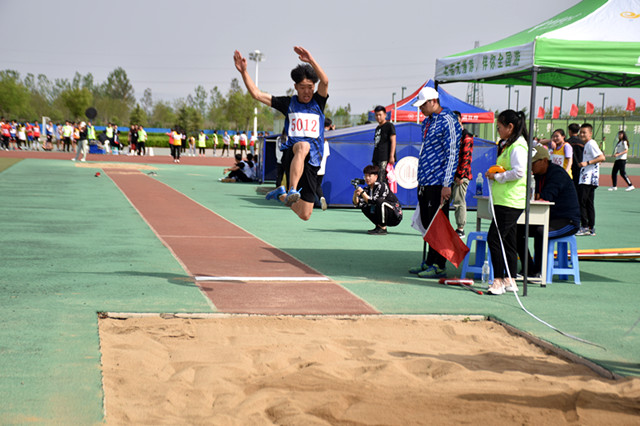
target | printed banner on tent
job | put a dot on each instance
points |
(485, 64)
(589, 109)
(631, 104)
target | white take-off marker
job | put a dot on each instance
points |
(262, 279)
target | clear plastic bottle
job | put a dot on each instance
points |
(479, 184)
(486, 273)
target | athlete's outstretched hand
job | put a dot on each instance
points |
(303, 54)
(240, 62)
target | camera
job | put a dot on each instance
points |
(357, 182)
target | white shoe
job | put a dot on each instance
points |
(631, 188)
(496, 291)
(323, 203)
(613, 188)
(511, 287)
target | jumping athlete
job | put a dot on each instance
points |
(304, 124)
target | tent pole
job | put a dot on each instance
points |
(525, 261)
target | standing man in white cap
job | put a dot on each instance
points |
(83, 145)
(437, 165)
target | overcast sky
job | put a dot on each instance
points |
(369, 49)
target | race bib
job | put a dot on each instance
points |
(304, 125)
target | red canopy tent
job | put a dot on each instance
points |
(406, 112)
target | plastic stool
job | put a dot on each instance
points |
(563, 265)
(482, 253)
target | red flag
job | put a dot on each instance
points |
(556, 112)
(631, 104)
(540, 112)
(574, 110)
(589, 108)
(442, 238)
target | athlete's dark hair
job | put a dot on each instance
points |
(371, 169)
(587, 126)
(559, 131)
(380, 108)
(574, 128)
(519, 122)
(624, 136)
(303, 71)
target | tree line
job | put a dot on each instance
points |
(33, 97)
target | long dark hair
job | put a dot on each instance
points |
(624, 136)
(519, 122)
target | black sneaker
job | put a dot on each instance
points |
(460, 233)
(377, 231)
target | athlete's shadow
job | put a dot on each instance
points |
(176, 279)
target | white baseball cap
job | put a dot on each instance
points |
(425, 94)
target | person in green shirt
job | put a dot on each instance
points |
(142, 140)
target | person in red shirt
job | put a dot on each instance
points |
(36, 136)
(5, 129)
(461, 178)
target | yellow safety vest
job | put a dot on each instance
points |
(512, 193)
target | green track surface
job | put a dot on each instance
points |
(72, 246)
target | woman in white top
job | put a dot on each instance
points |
(620, 155)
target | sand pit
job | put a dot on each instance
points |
(238, 370)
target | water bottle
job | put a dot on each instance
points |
(486, 272)
(479, 183)
(532, 188)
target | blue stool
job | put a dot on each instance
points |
(482, 253)
(563, 265)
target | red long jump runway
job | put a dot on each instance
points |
(223, 258)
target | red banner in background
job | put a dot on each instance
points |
(631, 104)
(574, 110)
(556, 113)
(589, 108)
(540, 112)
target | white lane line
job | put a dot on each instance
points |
(248, 279)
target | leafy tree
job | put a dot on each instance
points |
(77, 101)
(110, 110)
(162, 115)
(189, 119)
(14, 96)
(138, 116)
(147, 101)
(118, 86)
(239, 106)
(199, 100)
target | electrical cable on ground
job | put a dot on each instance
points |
(504, 255)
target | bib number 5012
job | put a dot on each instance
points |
(304, 125)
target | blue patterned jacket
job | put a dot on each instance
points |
(438, 159)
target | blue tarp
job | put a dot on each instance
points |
(352, 149)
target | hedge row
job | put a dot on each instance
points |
(162, 141)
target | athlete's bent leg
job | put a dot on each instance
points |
(303, 209)
(300, 152)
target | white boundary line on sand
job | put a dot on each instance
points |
(248, 279)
